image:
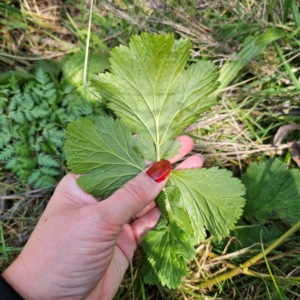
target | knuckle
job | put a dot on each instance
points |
(136, 192)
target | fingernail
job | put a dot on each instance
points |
(201, 156)
(160, 170)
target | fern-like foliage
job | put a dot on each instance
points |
(34, 114)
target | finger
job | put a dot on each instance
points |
(148, 162)
(148, 221)
(135, 195)
(146, 209)
(187, 147)
(194, 161)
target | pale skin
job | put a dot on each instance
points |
(81, 248)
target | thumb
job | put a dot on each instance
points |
(135, 194)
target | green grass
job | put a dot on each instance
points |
(256, 46)
(6, 252)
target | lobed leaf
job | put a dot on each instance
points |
(168, 202)
(248, 233)
(273, 191)
(6, 153)
(150, 91)
(102, 151)
(168, 248)
(47, 160)
(212, 199)
(194, 201)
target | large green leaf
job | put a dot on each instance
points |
(249, 234)
(169, 246)
(273, 192)
(168, 202)
(194, 201)
(102, 151)
(168, 249)
(211, 198)
(151, 92)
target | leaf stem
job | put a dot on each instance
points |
(243, 268)
(157, 153)
(157, 145)
(168, 208)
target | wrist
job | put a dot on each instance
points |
(7, 292)
(18, 276)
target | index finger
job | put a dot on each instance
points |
(187, 146)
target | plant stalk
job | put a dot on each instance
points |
(87, 45)
(243, 268)
(168, 208)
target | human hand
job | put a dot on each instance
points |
(81, 248)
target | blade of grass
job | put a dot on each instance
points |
(87, 45)
(142, 286)
(286, 9)
(295, 13)
(252, 47)
(286, 66)
(271, 7)
(3, 248)
(268, 266)
(244, 267)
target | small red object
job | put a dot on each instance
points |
(160, 170)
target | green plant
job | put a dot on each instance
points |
(270, 219)
(272, 202)
(152, 94)
(34, 112)
(251, 48)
